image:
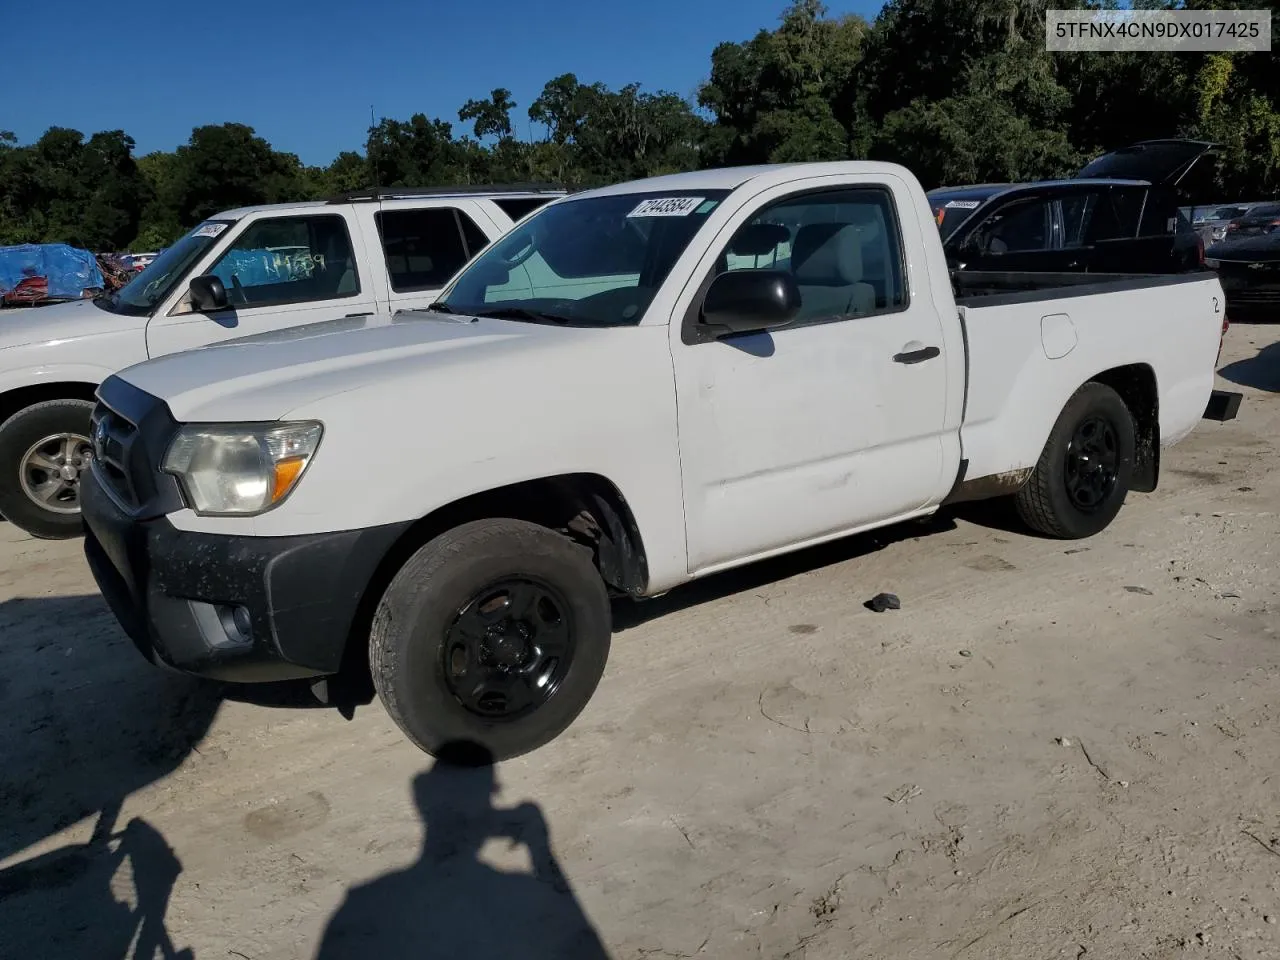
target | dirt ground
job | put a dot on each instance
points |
(1052, 750)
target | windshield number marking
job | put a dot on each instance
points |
(209, 230)
(963, 204)
(666, 207)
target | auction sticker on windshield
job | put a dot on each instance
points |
(963, 204)
(210, 229)
(666, 207)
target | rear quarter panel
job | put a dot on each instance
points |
(1026, 359)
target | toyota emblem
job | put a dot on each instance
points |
(100, 439)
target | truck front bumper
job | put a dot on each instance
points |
(233, 608)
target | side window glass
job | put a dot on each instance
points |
(289, 260)
(1114, 217)
(1076, 210)
(476, 240)
(842, 248)
(517, 207)
(423, 248)
(1024, 227)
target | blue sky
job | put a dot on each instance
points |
(305, 74)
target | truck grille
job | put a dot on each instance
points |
(130, 431)
(113, 436)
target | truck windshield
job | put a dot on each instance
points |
(139, 296)
(593, 262)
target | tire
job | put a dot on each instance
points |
(54, 421)
(1055, 501)
(424, 665)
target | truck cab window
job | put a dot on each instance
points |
(289, 260)
(841, 247)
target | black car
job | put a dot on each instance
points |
(1119, 214)
(1249, 270)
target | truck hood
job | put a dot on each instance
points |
(265, 376)
(61, 322)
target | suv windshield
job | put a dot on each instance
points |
(140, 295)
(593, 262)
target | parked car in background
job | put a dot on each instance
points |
(1120, 214)
(1248, 265)
(638, 386)
(1212, 223)
(1261, 219)
(240, 272)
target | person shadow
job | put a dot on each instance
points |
(89, 724)
(450, 904)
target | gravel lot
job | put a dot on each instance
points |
(1052, 750)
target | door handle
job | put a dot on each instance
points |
(918, 355)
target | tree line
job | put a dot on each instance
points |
(959, 92)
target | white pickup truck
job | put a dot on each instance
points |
(638, 386)
(238, 273)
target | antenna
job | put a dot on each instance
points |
(373, 166)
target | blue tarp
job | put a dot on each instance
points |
(70, 270)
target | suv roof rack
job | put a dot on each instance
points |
(400, 193)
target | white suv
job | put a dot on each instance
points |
(240, 272)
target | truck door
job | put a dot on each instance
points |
(279, 271)
(833, 422)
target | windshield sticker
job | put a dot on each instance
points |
(666, 207)
(963, 204)
(209, 229)
(707, 207)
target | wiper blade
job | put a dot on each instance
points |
(439, 307)
(523, 313)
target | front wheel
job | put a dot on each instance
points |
(490, 640)
(43, 450)
(1083, 475)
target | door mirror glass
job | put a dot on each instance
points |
(208, 295)
(748, 301)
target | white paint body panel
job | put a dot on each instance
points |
(725, 453)
(81, 343)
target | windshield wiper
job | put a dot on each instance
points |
(439, 307)
(524, 314)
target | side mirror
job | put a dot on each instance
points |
(748, 301)
(208, 295)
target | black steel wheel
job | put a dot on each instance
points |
(1083, 475)
(494, 634)
(1092, 464)
(509, 648)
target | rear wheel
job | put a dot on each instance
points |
(490, 640)
(1083, 475)
(43, 450)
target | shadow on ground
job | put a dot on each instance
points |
(628, 614)
(88, 722)
(1262, 371)
(452, 905)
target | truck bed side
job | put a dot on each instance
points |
(1029, 352)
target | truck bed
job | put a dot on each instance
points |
(1028, 349)
(977, 288)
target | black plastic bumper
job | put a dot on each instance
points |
(233, 608)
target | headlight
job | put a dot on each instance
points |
(1211, 263)
(240, 469)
